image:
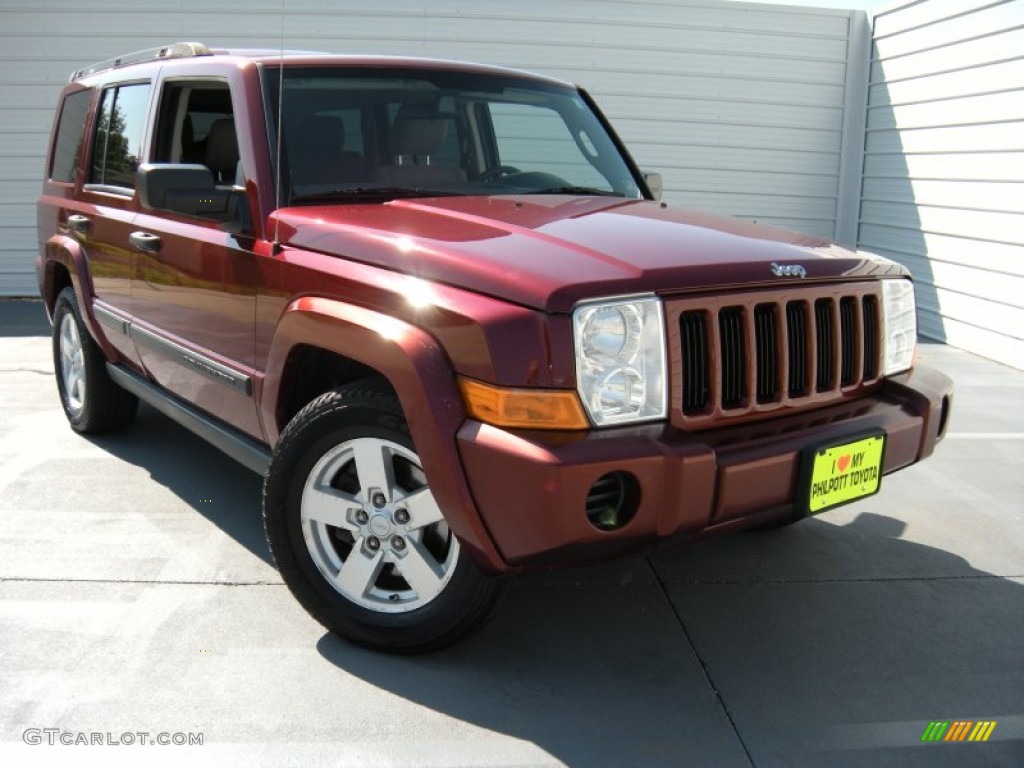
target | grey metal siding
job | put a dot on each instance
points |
(943, 182)
(740, 106)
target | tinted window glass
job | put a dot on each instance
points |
(70, 131)
(187, 113)
(119, 132)
(536, 137)
(357, 134)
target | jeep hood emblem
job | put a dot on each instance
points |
(788, 270)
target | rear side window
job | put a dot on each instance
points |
(120, 126)
(70, 130)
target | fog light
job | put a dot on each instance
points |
(612, 501)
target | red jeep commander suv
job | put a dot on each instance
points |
(443, 313)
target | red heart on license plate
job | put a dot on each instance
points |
(843, 462)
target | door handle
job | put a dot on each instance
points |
(144, 241)
(78, 223)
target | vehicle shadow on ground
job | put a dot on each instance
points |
(214, 485)
(831, 666)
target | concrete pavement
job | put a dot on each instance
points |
(137, 595)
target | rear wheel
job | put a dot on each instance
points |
(357, 534)
(91, 400)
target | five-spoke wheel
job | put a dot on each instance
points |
(357, 534)
(373, 529)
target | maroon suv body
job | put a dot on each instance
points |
(438, 307)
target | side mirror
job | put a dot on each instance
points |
(654, 184)
(190, 191)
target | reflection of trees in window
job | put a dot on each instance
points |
(99, 153)
(121, 164)
(119, 136)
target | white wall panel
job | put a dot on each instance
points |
(999, 46)
(984, 195)
(970, 166)
(741, 106)
(993, 137)
(947, 85)
(943, 178)
(912, 242)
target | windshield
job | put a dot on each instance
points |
(378, 134)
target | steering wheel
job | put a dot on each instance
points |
(497, 172)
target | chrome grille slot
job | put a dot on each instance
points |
(766, 340)
(871, 339)
(696, 361)
(796, 338)
(848, 340)
(825, 344)
(733, 356)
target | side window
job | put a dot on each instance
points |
(196, 125)
(119, 131)
(70, 131)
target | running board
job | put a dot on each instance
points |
(238, 446)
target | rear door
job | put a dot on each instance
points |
(102, 217)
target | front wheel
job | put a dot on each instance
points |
(357, 534)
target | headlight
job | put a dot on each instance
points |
(900, 325)
(620, 360)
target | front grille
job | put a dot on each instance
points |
(760, 351)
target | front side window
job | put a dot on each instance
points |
(70, 132)
(196, 125)
(120, 127)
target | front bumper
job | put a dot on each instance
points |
(531, 487)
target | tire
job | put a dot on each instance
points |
(92, 402)
(356, 533)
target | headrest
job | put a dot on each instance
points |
(222, 147)
(418, 131)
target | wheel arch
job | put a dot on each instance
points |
(64, 265)
(357, 342)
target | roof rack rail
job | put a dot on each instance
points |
(172, 51)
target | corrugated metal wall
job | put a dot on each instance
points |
(943, 187)
(742, 107)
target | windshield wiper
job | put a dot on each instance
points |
(575, 191)
(370, 193)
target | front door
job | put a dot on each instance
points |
(194, 284)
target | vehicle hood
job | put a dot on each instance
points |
(551, 251)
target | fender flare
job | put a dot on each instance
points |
(417, 368)
(67, 252)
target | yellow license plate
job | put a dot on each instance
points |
(842, 473)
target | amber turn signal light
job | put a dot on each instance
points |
(523, 408)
